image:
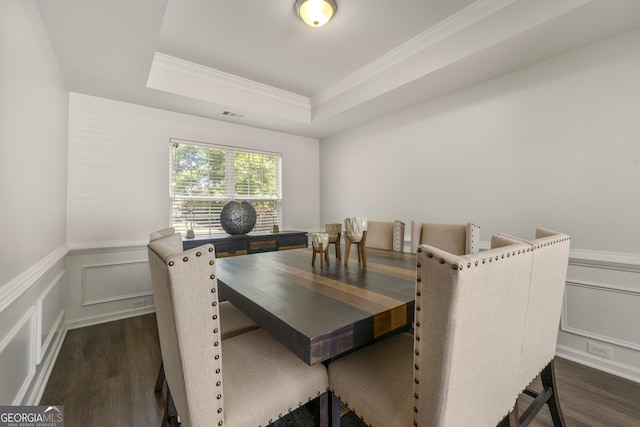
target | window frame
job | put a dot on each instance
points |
(206, 218)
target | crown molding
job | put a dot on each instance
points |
(178, 76)
(466, 17)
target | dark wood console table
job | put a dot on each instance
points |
(227, 245)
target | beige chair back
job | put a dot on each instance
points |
(469, 322)
(548, 278)
(387, 235)
(155, 235)
(458, 239)
(180, 310)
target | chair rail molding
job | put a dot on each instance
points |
(14, 289)
(602, 259)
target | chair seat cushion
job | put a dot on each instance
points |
(263, 380)
(378, 381)
(232, 321)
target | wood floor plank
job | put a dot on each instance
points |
(105, 375)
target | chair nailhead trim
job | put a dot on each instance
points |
(198, 253)
(171, 263)
(185, 259)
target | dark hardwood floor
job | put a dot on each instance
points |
(104, 376)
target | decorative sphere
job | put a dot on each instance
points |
(238, 217)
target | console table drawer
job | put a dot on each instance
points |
(293, 242)
(263, 246)
(230, 249)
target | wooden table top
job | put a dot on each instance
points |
(318, 312)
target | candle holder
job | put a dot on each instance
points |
(320, 244)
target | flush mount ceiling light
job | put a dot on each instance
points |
(315, 13)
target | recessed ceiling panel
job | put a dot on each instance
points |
(266, 42)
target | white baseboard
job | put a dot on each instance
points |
(110, 317)
(612, 367)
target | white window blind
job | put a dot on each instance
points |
(205, 177)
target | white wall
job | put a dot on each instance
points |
(555, 144)
(33, 173)
(118, 193)
(119, 168)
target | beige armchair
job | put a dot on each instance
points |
(461, 368)
(247, 380)
(232, 321)
(458, 239)
(387, 235)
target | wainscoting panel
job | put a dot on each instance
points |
(601, 314)
(50, 314)
(107, 283)
(32, 329)
(17, 359)
(116, 281)
(587, 312)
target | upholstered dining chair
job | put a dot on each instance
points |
(246, 380)
(232, 321)
(458, 239)
(548, 278)
(461, 366)
(387, 235)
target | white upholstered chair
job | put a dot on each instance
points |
(232, 321)
(461, 366)
(485, 325)
(548, 277)
(247, 380)
(386, 235)
(458, 239)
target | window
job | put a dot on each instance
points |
(205, 177)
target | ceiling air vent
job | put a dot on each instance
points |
(231, 114)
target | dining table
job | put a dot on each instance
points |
(321, 312)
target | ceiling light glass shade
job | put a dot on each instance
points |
(315, 13)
